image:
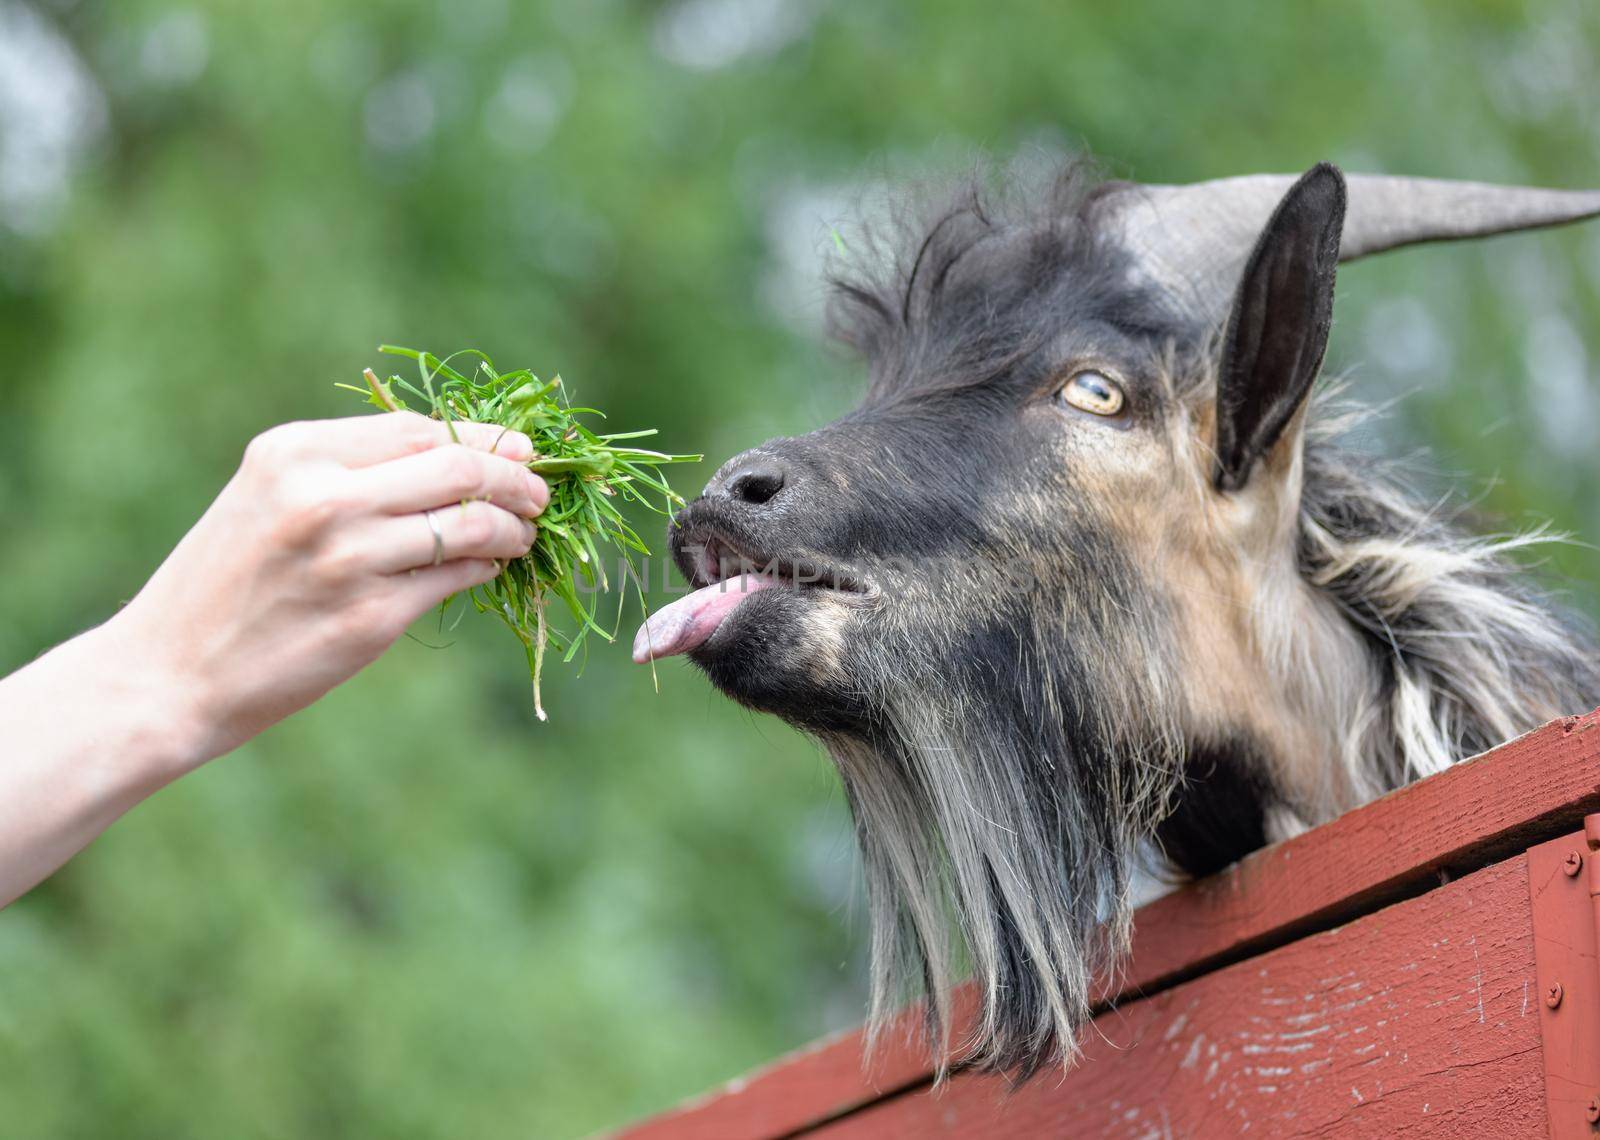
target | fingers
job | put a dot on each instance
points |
(474, 531)
(420, 590)
(445, 475)
(360, 441)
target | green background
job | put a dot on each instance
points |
(412, 910)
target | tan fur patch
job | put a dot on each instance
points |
(824, 635)
(1261, 651)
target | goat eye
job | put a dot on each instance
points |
(1093, 392)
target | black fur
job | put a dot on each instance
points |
(1278, 329)
(1220, 813)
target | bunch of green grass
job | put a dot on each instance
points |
(589, 474)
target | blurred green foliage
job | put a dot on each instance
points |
(389, 917)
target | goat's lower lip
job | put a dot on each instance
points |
(687, 623)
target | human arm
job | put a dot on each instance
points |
(311, 562)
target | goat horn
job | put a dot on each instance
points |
(1193, 240)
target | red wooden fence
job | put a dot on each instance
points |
(1425, 965)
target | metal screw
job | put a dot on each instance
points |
(1592, 1113)
(1572, 864)
(1553, 995)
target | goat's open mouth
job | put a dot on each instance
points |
(714, 558)
(724, 575)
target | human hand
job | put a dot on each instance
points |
(315, 557)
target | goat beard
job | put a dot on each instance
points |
(1001, 835)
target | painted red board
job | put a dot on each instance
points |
(1562, 874)
(1419, 1020)
(1529, 789)
(1482, 809)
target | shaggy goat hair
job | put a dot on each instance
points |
(1089, 574)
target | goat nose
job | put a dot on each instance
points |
(753, 479)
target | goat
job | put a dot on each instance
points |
(1089, 573)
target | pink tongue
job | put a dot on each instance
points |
(689, 621)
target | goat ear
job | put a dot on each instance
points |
(1278, 328)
